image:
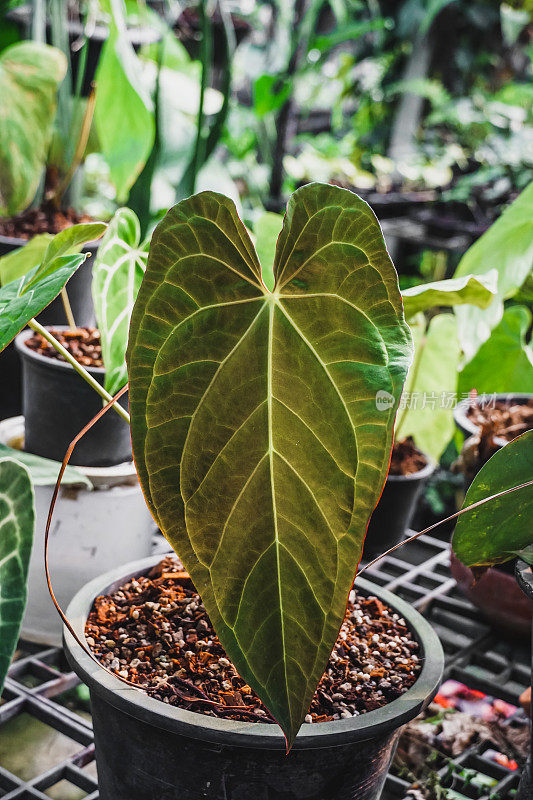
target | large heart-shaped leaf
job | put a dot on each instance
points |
(25, 297)
(118, 270)
(496, 531)
(507, 247)
(258, 430)
(476, 290)
(30, 74)
(16, 536)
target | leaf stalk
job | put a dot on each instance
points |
(87, 377)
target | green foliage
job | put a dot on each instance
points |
(256, 433)
(16, 535)
(30, 74)
(44, 471)
(26, 296)
(496, 531)
(118, 270)
(124, 111)
(19, 262)
(475, 290)
(508, 248)
(430, 386)
(267, 229)
(504, 363)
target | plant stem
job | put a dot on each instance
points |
(68, 309)
(443, 521)
(38, 328)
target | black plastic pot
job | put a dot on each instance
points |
(80, 297)
(148, 750)
(468, 427)
(22, 16)
(78, 288)
(57, 403)
(392, 516)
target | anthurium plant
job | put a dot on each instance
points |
(262, 415)
(16, 536)
(258, 440)
(30, 75)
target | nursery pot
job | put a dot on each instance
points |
(392, 516)
(94, 524)
(497, 596)
(57, 403)
(78, 287)
(468, 427)
(149, 750)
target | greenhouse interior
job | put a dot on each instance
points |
(266, 399)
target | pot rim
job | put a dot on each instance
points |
(465, 424)
(139, 705)
(51, 363)
(422, 474)
(18, 241)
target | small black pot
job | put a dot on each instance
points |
(468, 427)
(78, 287)
(148, 750)
(57, 403)
(80, 298)
(392, 516)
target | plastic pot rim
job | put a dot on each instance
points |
(469, 428)
(421, 475)
(192, 725)
(18, 241)
(51, 363)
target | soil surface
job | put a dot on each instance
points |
(82, 343)
(406, 458)
(506, 419)
(45, 219)
(154, 631)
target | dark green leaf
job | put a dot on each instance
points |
(30, 74)
(16, 536)
(117, 274)
(256, 430)
(493, 532)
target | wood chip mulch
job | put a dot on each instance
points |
(45, 219)
(504, 419)
(83, 344)
(154, 631)
(406, 458)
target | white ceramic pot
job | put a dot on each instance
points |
(93, 531)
